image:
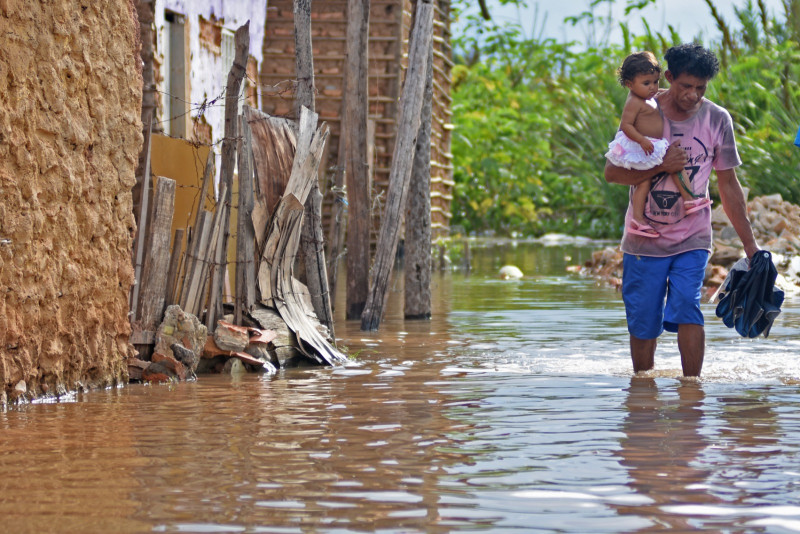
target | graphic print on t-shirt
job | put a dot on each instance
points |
(664, 203)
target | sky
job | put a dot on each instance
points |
(689, 17)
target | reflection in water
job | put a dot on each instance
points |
(661, 450)
(513, 409)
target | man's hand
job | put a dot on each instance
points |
(675, 159)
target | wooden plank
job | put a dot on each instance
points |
(312, 240)
(245, 243)
(232, 91)
(174, 266)
(141, 229)
(196, 265)
(337, 226)
(214, 260)
(304, 66)
(408, 127)
(357, 175)
(154, 282)
(140, 337)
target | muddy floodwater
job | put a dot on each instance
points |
(513, 409)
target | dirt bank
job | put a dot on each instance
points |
(70, 134)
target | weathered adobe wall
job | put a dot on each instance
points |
(70, 133)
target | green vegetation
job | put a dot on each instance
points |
(534, 116)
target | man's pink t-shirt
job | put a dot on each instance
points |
(707, 137)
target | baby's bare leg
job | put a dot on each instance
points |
(685, 195)
(639, 200)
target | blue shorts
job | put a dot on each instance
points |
(646, 283)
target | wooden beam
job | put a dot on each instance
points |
(417, 287)
(154, 283)
(174, 267)
(407, 130)
(245, 242)
(141, 229)
(357, 175)
(232, 91)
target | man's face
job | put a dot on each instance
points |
(687, 90)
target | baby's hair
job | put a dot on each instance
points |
(636, 64)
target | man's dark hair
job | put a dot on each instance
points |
(692, 59)
(636, 64)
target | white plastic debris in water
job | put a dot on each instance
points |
(510, 272)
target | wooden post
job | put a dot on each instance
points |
(418, 220)
(174, 266)
(357, 177)
(141, 229)
(232, 90)
(304, 59)
(245, 242)
(312, 240)
(154, 283)
(337, 226)
(400, 173)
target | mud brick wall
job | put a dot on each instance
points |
(70, 134)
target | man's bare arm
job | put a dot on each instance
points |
(674, 161)
(735, 206)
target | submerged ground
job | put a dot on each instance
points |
(514, 409)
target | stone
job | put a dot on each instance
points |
(283, 347)
(182, 328)
(157, 372)
(234, 366)
(136, 368)
(185, 356)
(231, 337)
(172, 364)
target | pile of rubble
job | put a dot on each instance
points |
(184, 348)
(775, 223)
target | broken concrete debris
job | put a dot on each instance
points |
(183, 348)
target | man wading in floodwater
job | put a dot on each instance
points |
(662, 276)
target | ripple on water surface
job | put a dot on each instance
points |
(513, 409)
